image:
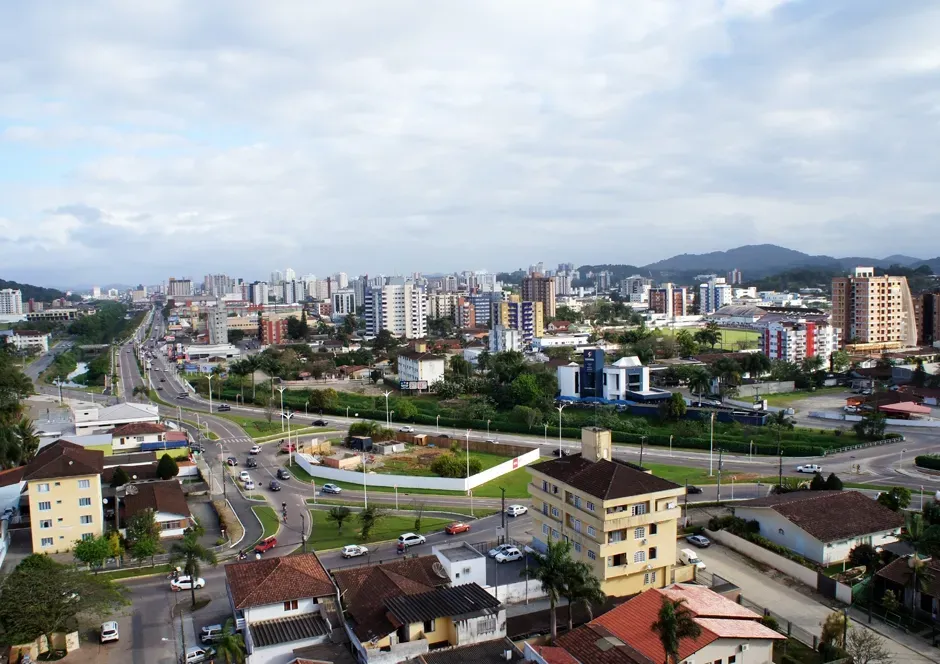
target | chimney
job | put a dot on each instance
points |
(595, 443)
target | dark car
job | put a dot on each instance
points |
(181, 395)
(319, 423)
(163, 380)
(282, 474)
(274, 485)
(224, 407)
(693, 489)
(560, 453)
(231, 461)
(197, 447)
(251, 462)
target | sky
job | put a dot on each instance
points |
(141, 140)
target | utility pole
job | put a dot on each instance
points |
(503, 513)
(720, 450)
(779, 463)
(642, 442)
(303, 530)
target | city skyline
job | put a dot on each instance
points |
(142, 142)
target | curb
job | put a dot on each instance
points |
(238, 518)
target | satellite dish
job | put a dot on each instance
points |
(131, 490)
(439, 570)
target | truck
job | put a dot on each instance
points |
(689, 557)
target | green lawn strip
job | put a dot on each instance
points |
(254, 496)
(136, 571)
(683, 474)
(262, 429)
(788, 398)
(399, 466)
(268, 518)
(408, 506)
(326, 535)
(772, 479)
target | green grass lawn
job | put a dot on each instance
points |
(731, 337)
(407, 504)
(326, 535)
(136, 571)
(261, 428)
(268, 518)
(683, 474)
(785, 400)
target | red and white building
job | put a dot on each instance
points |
(796, 340)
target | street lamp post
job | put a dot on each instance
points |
(560, 408)
(468, 455)
(711, 446)
(387, 393)
(290, 458)
(487, 428)
(210, 393)
(281, 389)
(437, 424)
(391, 413)
(642, 445)
(901, 458)
(546, 434)
(365, 489)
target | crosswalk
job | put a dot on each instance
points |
(238, 439)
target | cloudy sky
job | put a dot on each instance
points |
(143, 139)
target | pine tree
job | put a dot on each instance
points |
(167, 468)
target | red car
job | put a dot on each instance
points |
(266, 544)
(458, 527)
(288, 447)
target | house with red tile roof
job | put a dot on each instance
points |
(129, 437)
(730, 633)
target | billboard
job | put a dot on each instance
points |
(413, 385)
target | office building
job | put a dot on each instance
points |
(344, 303)
(713, 295)
(504, 339)
(11, 302)
(399, 308)
(873, 311)
(669, 300)
(540, 289)
(217, 325)
(621, 521)
(734, 277)
(179, 288)
(418, 371)
(259, 293)
(525, 317)
(797, 340)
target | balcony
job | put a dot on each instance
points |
(617, 522)
(536, 491)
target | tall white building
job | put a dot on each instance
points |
(259, 293)
(96, 292)
(340, 281)
(344, 303)
(11, 301)
(713, 295)
(217, 324)
(290, 292)
(442, 305)
(796, 340)
(289, 274)
(399, 308)
(504, 339)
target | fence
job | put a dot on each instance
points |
(833, 415)
(862, 446)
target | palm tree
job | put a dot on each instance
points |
(552, 569)
(252, 364)
(699, 382)
(231, 647)
(238, 369)
(583, 587)
(27, 438)
(924, 539)
(920, 577)
(191, 553)
(781, 421)
(9, 446)
(674, 623)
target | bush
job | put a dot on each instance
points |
(771, 622)
(929, 461)
(449, 465)
(167, 468)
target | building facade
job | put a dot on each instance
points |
(797, 340)
(11, 302)
(713, 295)
(669, 300)
(25, 340)
(217, 325)
(418, 371)
(527, 317)
(504, 339)
(927, 315)
(537, 288)
(873, 310)
(273, 331)
(344, 303)
(179, 287)
(399, 308)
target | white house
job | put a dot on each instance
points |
(283, 604)
(129, 437)
(24, 340)
(462, 562)
(94, 419)
(822, 526)
(625, 375)
(166, 500)
(418, 371)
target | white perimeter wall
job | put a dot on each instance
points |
(305, 461)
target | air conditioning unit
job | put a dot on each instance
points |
(745, 646)
(642, 541)
(670, 506)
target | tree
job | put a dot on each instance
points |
(167, 467)
(890, 602)
(459, 367)
(251, 364)
(115, 545)
(864, 555)
(817, 483)
(418, 506)
(27, 438)
(833, 483)
(320, 400)
(897, 499)
(582, 587)
(700, 382)
(236, 336)
(192, 554)
(920, 577)
(42, 596)
(866, 647)
(686, 342)
(119, 478)
(755, 364)
(231, 647)
(871, 427)
(93, 552)
(833, 628)
(338, 515)
(839, 361)
(919, 376)
(707, 337)
(446, 389)
(675, 622)
(384, 341)
(674, 409)
(368, 518)
(143, 536)
(780, 421)
(405, 409)
(552, 570)
(304, 327)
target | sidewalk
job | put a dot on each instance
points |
(912, 641)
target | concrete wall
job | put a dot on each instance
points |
(477, 630)
(400, 652)
(793, 537)
(498, 470)
(837, 415)
(770, 387)
(513, 593)
(760, 651)
(282, 653)
(742, 546)
(271, 611)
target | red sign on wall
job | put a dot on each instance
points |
(515, 463)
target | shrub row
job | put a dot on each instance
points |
(929, 461)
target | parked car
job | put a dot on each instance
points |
(331, 488)
(251, 462)
(244, 476)
(185, 583)
(266, 544)
(411, 539)
(197, 447)
(320, 423)
(516, 510)
(224, 407)
(354, 550)
(407, 429)
(693, 489)
(509, 555)
(283, 474)
(457, 527)
(287, 448)
(255, 449)
(231, 461)
(210, 633)
(274, 485)
(809, 468)
(198, 654)
(249, 485)
(699, 540)
(163, 380)
(495, 551)
(109, 631)
(560, 453)
(850, 409)
(689, 557)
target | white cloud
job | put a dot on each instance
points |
(393, 137)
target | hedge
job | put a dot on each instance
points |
(929, 461)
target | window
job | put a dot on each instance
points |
(45, 506)
(652, 553)
(554, 488)
(545, 508)
(780, 531)
(732, 659)
(42, 488)
(577, 525)
(717, 661)
(554, 534)
(486, 625)
(555, 511)
(84, 484)
(46, 541)
(615, 536)
(545, 486)
(84, 502)
(592, 531)
(638, 509)
(544, 529)
(590, 506)
(592, 555)
(290, 605)
(86, 519)
(639, 557)
(649, 577)
(653, 529)
(577, 501)
(429, 626)
(577, 547)
(87, 536)
(45, 523)
(639, 533)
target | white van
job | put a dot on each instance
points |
(689, 557)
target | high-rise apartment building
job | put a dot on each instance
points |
(179, 288)
(443, 305)
(340, 281)
(796, 340)
(217, 324)
(289, 274)
(526, 317)
(603, 281)
(713, 295)
(635, 289)
(873, 310)
(344, 303)
(258, 293)
(11, 301)
(540, 289)
(399, 308)
(734, 277)
(927, 315)
(669, 300)
(273, 331)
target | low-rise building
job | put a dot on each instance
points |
(96, 419)
(822, 526)
(28, 340)
(626, 380)
(130, 437)
(166, 500)
(418, 371)
(462, 562)
(796, 340)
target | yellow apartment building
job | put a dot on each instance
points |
(63, 483)
(873, 312)
(619, 519)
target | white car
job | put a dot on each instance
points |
(809, 468)
(255, 449)
(495, 551)
(185, 583)
(198, 654)
(407, 429)
(244, 476)
(354, 550)
(509, 555)
(516, 510)
(411, 539)
(249, 485)
(109, 631)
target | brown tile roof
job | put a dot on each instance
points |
(138, 429)
(275, 580)
(63, 459)
(488, 652)
(596, 644)
(12, 476)
(830, 515)
(158, 496)
(899, 571)
(607, 480)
